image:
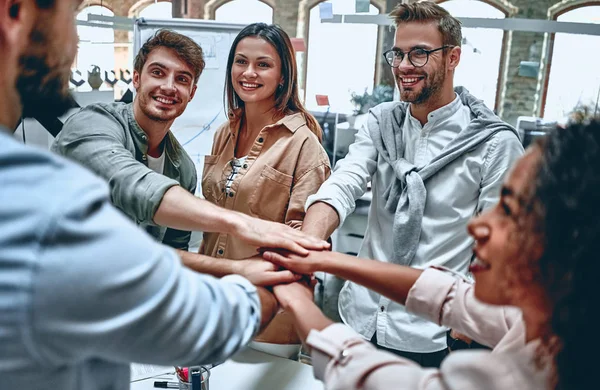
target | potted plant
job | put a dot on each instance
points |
(361, 106)
(583, 112)
(363, 102)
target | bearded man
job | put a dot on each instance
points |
(434, 159)
(84, 291)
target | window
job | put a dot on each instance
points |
(96, 46)
(479, 66)
(575, 57)
(244, 12)
(341, 58)
(160, 10)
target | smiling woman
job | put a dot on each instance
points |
(267, 158)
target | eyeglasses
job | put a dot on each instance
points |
(418, 57)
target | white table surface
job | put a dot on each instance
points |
(252, 370)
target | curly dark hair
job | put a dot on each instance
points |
(567, 189)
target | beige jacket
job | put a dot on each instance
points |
(285, 165)
(344, 360)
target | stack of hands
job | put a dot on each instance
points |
(287, 274)
(288, 258)
(282, 271)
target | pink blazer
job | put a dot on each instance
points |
(342, 359)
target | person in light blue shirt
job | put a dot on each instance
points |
(83, 291)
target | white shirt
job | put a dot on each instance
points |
(456, 193)
(157, 164)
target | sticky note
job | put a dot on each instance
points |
(322, 100)
(362, 6)
(326, 10)
(298, 44)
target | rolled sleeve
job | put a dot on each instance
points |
(344, 360)
(98, 140)
(430, 292)
(444, 297)
(350, 176)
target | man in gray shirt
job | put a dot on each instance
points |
(131, 145)
(83, 291)
(151, 178)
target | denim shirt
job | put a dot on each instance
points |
(83, 291)
(107, 139)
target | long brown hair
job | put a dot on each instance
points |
(287, 100)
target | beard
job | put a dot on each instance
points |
(145, 104)
(43, 88)
(432, 85)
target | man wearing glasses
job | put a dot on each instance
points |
(434, 159)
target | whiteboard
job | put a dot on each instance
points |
(195, 128)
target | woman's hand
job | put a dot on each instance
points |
(297, 299)
(294, 293)
(275, 235)
(314, 261)
(263, 273)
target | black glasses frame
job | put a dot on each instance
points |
(410, 54)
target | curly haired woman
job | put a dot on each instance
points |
(534, 300)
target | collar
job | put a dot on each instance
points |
(441, 113)
(170, 145)
(291, 122)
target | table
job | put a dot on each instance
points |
(253, 370)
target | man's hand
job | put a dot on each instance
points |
(289, 294)
(181, 210)
(313, 262)
(263, 273)
(275, 235)
(297, 299)
(268, 306)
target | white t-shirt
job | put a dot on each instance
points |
(157, 164)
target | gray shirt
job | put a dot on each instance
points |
(83, 291)
(107, 139)
(465, 187)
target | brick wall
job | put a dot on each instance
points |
(519, 95)
(285, 14)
